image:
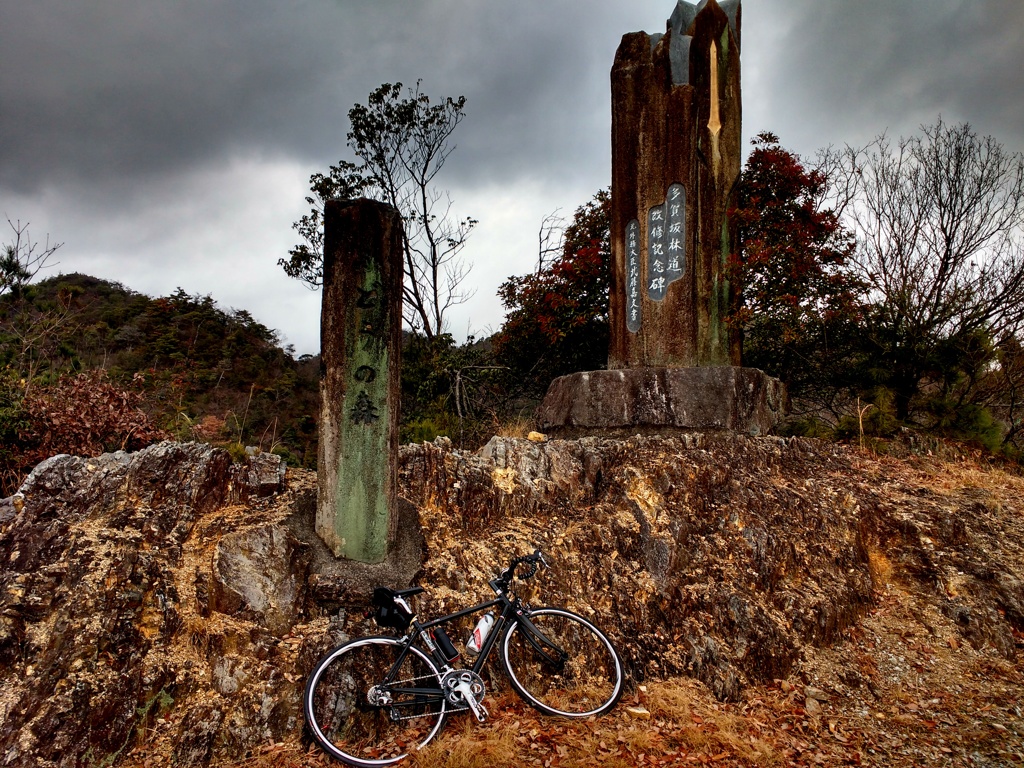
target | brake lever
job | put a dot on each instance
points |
(544, 560)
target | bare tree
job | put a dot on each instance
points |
(31, 334)
(22, 259)
(550, 240)
(940, 243)
(403, 143)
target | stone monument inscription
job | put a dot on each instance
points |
(360, 341)
(633, 276)
(666, 244)
(675, 229)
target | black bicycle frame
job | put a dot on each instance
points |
(511, 613)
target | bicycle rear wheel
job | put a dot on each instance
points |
(562, 664)
(357, 718)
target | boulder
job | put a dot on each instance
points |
(260, 574)
(622, 402)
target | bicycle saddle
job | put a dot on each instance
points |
(403, 592)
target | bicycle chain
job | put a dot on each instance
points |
(425, 714)
(431, 714)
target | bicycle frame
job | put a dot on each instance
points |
(372, 698)
(512, 612)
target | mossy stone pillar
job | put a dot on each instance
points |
(360, 340)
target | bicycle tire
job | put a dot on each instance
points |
(587, 681)
(348, 727)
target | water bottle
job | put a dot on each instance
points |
(476, 640)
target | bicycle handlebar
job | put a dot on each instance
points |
(532, 561)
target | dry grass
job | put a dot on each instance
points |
(520, 428)
(463, 746)
(658, 725)
(675, 722)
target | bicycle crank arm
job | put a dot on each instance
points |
(479, 710)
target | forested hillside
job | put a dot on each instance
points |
(88, 365)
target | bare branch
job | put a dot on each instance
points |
(550, 239)
(22, 259)
(404, 143)
(938, 221)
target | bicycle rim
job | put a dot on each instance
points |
(344, 722)
(586, 679)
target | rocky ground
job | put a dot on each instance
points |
(926, 700)
(777, 602)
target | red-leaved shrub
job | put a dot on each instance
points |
(85, 415)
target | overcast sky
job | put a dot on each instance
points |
(170, 144)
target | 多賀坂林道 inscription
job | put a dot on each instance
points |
(675, 232)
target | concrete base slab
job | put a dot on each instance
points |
(744, 400)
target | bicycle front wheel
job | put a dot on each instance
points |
(360, 719)
(562, 664)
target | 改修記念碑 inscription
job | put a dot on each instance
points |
(656, 282)
(633, 276)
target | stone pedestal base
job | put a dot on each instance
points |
(631, 400)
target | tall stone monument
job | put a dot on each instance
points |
(360, 339)
(676, 158)
(673, 361)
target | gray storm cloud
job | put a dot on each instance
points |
(116, 106)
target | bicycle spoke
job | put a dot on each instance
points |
(567, 667)
(362, 721)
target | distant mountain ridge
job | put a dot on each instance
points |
(208, 373)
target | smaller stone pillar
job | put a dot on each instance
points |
(360, 385)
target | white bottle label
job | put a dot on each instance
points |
(476, 640)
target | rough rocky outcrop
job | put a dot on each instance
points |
(108, 566)
(167, 605)
(716, 556)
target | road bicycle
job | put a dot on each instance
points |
(372, 700)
